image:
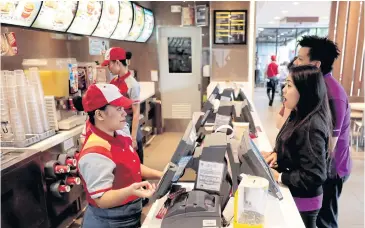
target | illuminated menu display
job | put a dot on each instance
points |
(20, 13)
(125, 21)
(230, 27)
(56, 15)
(138, 23)
(87, 17)
(149, 24)
(109, 19)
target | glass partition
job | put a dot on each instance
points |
(281, 42)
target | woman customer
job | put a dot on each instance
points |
(117, 59)
(302, 143)
(108, 165)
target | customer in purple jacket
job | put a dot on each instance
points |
(322, 53)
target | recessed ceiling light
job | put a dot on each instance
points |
(271, 22)
(284, 11)
(276, 18)
(295, 3)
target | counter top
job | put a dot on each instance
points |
(147, 90)
(286, 217)
(45, 144)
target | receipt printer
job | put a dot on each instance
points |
(194, 209)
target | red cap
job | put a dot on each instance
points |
(273, 58)
(114, 53)
(99, 95)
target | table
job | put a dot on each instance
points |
(357, 106)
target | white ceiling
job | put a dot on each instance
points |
(269, 13)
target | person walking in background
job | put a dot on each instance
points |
(322, 52)
(271, 73)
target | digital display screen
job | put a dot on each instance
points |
(87, 18)
(149, 24)
(125, 21)
(230, 26)
(138, 23)
(109, 19)
(20, 13)
(56, 15)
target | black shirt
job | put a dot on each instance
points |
(302, 158)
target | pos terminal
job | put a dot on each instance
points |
(217, 174)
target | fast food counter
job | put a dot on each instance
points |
(40, 184)
(279, 213)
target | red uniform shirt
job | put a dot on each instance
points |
(272, 70)
(106, 163)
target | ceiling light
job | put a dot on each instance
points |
(295, 3)
(276, 18)
(261, 29)
(284, 11)
(271, 22)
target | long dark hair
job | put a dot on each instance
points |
(313, 100)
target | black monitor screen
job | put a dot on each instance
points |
(186, 145)
(252, 163)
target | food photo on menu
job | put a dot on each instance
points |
(56, 15)
(125, 21)
(20, 13)
(108, 20)
(87, 17)
(138, 23)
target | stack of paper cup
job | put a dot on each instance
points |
(250, 202)
(17, 125)
(36, 82)
(6, 131)
(22, 101)
(33, 111)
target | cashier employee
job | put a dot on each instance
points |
(116, 59)
(108, 165)
(302, 143)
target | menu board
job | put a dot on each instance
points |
(20, 13)
(149, 24)
(125, 21)
(108, 20)
(138, 23)
(230, 27)
(87, 17)
(56, 15)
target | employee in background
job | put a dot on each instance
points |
(116, 59)
(109, 168)
(302, 143)
(271, 72)
(322, 52)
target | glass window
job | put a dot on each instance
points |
(322, 32)
(179, 54)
